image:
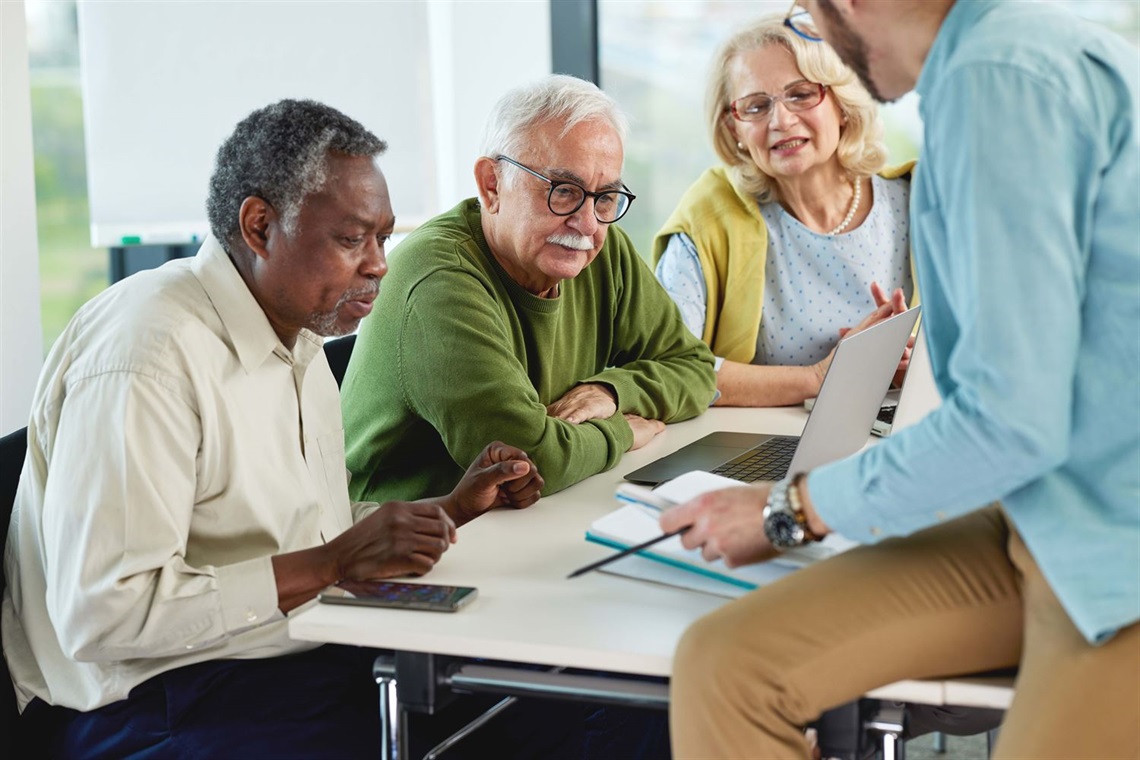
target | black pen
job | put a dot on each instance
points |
(625, 553)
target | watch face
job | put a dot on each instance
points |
(783, 530)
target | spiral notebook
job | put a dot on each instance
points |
(672, 564)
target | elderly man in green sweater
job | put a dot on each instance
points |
(523, 316)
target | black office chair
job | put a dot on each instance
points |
(338, 351)
(13, 448)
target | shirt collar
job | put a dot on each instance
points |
(963, 15)
(250, 332)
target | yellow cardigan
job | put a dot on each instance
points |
(731, 240)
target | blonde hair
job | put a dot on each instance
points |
(861, 150)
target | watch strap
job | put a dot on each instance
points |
(796, 504)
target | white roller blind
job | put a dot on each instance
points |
(165, 82)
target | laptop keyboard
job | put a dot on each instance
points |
(768, 461)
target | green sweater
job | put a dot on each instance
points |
(456, 355)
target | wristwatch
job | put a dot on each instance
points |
(785, 524)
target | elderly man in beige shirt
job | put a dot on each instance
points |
(185, 486)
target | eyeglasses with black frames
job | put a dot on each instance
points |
(798, 21)
(758, 106)
(566, 197)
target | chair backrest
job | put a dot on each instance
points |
(13, 448)
(338, 352)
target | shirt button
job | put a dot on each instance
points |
(251, 616)
(876, 530)
(940, 515)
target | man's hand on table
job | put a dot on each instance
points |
(596, 401)
(501, 476)
(588, 401)
(399, 538)
(644, 430)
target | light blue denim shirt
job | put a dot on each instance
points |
(1025, 220)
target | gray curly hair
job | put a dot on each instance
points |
(279, 153)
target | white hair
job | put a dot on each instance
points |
(564, 99)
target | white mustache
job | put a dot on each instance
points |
(575, 242)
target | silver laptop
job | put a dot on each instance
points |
(838, 425)
(918, 397)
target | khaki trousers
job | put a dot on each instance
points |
(959, 598)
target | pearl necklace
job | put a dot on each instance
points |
(851, 211)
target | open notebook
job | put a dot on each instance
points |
(670, 563)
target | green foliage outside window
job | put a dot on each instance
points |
(71, 271)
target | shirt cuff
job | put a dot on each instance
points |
(248, 593)
(361, 509)
(835, 494)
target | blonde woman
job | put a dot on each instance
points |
(801, 234)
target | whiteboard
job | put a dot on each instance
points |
(165, 82)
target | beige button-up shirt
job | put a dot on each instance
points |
(175, 445)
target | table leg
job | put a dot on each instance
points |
(893, 747)
(938, 740)
(392, 720)
(890, 723)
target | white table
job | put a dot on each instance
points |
(527, 612)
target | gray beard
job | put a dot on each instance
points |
(327, 323)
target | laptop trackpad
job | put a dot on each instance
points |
(704, 454)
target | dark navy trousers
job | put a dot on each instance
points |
(323, 704)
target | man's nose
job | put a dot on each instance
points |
(583, 220)
(375, 263)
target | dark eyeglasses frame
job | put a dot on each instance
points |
(556, 183)
(732, 110)
(790, 22)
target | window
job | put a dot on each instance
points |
(71, 271)
(654, 60)
(654, 56)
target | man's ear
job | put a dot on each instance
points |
(255, 218)
(487, 180)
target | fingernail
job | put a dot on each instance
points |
(519, 467)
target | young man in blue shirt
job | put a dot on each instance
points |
(1025, 217)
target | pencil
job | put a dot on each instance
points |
(624, 553)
